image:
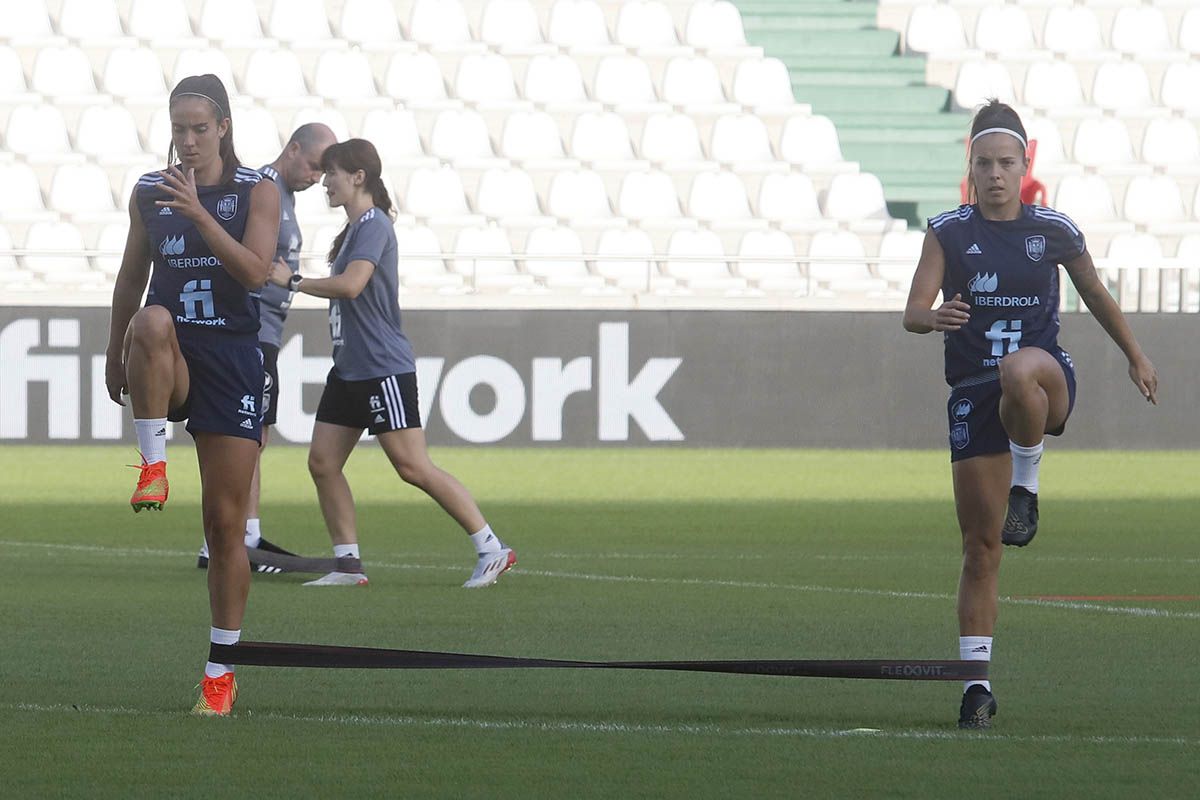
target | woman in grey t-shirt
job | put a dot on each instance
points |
(373, 383)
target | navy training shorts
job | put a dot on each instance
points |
(973, 412)
(225, 391)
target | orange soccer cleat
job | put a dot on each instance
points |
(217, 696)
(151, 491)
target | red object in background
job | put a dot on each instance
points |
(1033, 191)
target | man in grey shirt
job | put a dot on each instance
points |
(296, 168)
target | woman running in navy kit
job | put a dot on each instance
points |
(208, 226)
(373, 383)
(995, 262)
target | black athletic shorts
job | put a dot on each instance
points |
(271, 385)
(973, 412)
(379, 404)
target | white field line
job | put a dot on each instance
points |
(1131, 611)
(608, 727)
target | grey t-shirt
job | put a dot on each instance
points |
(367, 340)
(276, 300)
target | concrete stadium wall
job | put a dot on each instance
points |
(581, 378)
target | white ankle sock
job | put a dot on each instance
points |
(1026, 461)
(220, 636)
(345, 551)
(152, 439)
(485, 541)
(975, 648)
(253, 533)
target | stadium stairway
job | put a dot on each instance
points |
(888, 119)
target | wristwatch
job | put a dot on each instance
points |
(294, 282)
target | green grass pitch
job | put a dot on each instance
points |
(624, 554)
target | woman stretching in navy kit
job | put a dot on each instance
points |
(208, 226)
(996, 264)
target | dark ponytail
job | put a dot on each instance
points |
(210, 88)
(351, 156)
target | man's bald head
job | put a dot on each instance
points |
(300, 162)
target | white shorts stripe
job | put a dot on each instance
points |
(399, 401)
(389, 400)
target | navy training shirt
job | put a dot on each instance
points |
(1007, 271)
(187, 279)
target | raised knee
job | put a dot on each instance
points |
(151, 324)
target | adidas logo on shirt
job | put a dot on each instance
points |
(247, 424)
(166, 212)
(974, 250)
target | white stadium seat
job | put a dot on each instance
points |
(810, 140)
(554, 80)
(692, 81)
(578, 196)
(1121, 86)
(1050, 150)
(791, 202)
(484, 77)
(1140, 30)
(628, 263)
(1072, 29)
(1153, 200)
(37, 131)
(13, 89)
(439, 23)
(107, 132)
(435, 192)
(230, 21)
(741, 138)
(1003, 29)
(346, 75)
(979, 81)
(507, 192)
(601, 136)
(1171, 142)
(497, 269)
(714, 26)
(568, 272)
(111, 244)
(62, 72)
(1052, 86)
(649, 197)
(850, 272)
(779, 275)
(1085, 199)
(298, 21)
(577, 25)
(421, 265)
(899, 252)
(134, 73)
(415, 80)
(326, 116)
(272, 74)
(26, 20)
(394, 134)
(1181, 88)
(510, 24)
(59, 265)
(1102, 142)
(256, 134)
(645, 24)
(10, 271)
(711, 274)
(370, 22)
(209, 60)
(87, 19)
(1189, 31)
(460, 135)
(933, 28)
(669, 138)
(531, 135)
(719, 199)
(623, 80)
(855, 197)
(160, 20)
(762, 82)
(22, 195)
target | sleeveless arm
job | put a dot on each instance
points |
(919, 316)
(127, 296)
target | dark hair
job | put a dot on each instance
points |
(993, 114)
(351, 156)
(210, 88)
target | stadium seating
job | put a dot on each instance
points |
(645, 141)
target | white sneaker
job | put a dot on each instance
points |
(490, 567)
(340, 579)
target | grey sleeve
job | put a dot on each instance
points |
(369, 241)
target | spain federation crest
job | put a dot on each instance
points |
(1035, 247)
(227, 207)
(960, 435)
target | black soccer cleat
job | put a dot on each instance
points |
(271, 547)
(1021, 521)
(977, 709)
(202, 561)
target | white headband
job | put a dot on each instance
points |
(215, 103)
(1011, 133)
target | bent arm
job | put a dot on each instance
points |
(346, 286)
(919, 314)
(248, 261)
